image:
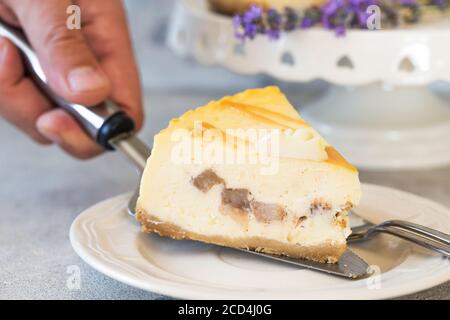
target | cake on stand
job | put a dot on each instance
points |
(388, 103)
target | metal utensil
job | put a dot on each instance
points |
(105, 123)
(114, 130)
(420, 235)
(131, 208)
(349, 264)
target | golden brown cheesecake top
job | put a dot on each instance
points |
(265, 108)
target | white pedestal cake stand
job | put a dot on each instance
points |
(380, 112)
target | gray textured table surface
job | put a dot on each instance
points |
(42, 191)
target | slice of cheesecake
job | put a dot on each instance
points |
(247, 171)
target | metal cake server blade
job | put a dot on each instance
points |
(349, 265)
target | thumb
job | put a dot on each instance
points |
(68, 62)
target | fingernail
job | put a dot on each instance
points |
(52, 136)
(86, 79)
(44, 126)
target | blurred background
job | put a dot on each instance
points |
(42, 190)
(160, 67)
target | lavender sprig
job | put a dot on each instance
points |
(336, 15)
(249, 24)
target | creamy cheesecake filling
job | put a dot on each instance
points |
(240, 205)
(286, 207)
(209, 204)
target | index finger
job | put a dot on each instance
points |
(106, 31)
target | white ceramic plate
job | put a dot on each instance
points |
(110, 241)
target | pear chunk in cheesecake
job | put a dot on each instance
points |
(248, 172)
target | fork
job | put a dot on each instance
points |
(420, 235)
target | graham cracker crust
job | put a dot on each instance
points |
(326, 253)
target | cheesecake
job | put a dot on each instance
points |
(239, 6)
(246, 171)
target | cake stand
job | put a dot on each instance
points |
(387, 104)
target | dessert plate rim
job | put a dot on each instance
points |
(96, 241)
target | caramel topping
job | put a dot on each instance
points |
(273, 118)
(245, 109)
(207, 125)
(334, 157)
(267, 114)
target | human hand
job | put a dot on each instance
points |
(84, 66)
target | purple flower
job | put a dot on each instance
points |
(248, 24)
(239, 30)
(332, 6)
(237, 21)
(307, 22)
(336, 15)
(340, 31)
(273, 34)
(253, 13)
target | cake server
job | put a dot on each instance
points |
(110, 127)
(114, 130)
